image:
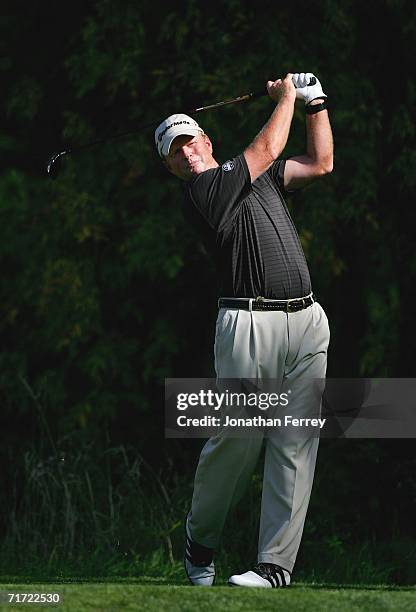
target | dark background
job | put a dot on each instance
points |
(105, 291)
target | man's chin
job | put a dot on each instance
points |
(192, 171)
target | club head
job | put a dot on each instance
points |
(54, 164)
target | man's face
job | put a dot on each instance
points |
(189, 156)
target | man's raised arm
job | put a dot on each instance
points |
(270, 142)
(318, 160)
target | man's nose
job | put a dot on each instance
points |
(186, 150)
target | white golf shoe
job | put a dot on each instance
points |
(199, 564)
(265, 575)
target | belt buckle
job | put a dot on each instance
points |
(289, 305)
(291, 308)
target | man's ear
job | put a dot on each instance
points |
(208, 142)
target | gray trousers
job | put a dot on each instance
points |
(291, 348)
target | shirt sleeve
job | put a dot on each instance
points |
(276, 171)
(217, 193)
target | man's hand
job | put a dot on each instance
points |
(282, 88)
(307, 92)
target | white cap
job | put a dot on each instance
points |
(175, 125)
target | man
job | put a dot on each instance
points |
(274, 330)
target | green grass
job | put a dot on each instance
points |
(157, 596)
(112, 520)
(388, 564)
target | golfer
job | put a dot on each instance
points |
(269, 324)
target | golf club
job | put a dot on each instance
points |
(54, 163)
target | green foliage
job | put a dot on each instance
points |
(86, 513)
(104, 290)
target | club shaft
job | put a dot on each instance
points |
(218, 104)
(88, 145)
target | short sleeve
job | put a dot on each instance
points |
(217, 193)
(277, 172)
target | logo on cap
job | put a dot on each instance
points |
(173, 125)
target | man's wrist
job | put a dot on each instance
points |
(287, 99)
(317, 101)
(312, 109)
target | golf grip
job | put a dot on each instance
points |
(258, 94)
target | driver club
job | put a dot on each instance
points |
(54, 163)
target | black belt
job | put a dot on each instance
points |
(261, 303)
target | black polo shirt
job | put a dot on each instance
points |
(258, 252)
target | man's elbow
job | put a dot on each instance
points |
(325, 167)
(269, 153)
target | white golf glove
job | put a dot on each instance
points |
(303, 90)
